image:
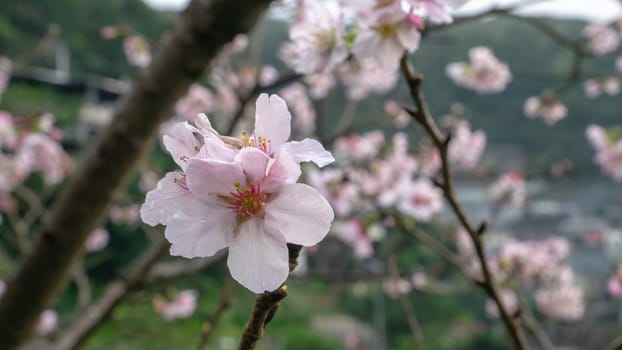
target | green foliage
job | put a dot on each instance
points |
(24, 23)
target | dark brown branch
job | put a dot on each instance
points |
(423, 116)
(223, 304)
(266, 306)
(183, 54)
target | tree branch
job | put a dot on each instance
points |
(423, 116)
(203, 29)
(266, 306)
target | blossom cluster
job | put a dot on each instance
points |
(241, 193)
(181, 306)
(608, 147)
(547, 106)
(350, 37)
(484, 74)
(539, 265)
(375, 175)
(29, 146)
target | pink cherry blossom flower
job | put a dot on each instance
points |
(47, 323)
(420, 199)
(247, 187)
(608, 152)
(354, 233)
(320, 84)
(365, 76)
(359, 147)
(333, 184)
(97, 240)
(510, 188)
(137, 51)
(197, 100)
(603, 39)
(614, 287)
(398, 115)
(316, 39)
(548, 107)
(387, 37)
(39, 153)
(484, 73)
(466, 147)
(255, 209)
(182, 306)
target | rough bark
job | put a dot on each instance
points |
(183, 54)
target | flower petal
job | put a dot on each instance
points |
(209, 176)
(309, 150)
(258, 259)
(254, 162)
(300, 213)
(181, 143)
(272, 119)
(164, 200)
(282, 170)
(201, 229)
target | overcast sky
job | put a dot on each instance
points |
(592, 10)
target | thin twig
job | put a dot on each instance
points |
(423, 116)
(223, 304)
(415, 328)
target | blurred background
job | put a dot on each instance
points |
(71, 61)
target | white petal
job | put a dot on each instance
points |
(164, 200)
(282, 170)
(272, 119)
(254, 162)
(182, 143)
(209, 176)
(309, 150)
(300, 213)
(409, 37)
(201, 230)
(258, 259)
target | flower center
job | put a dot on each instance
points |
(386, 30)
(246, 201)
(421, 200)
(259, 142)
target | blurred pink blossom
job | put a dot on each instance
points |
(97, 240)
(548, 107)
(198, 100)
(364, 76)
(317, 43)
(484, 73)
(182, 306)
(47, 323)
(420, 199)
(387, 36)
(137, 51)
(510, 188)
(603, 39)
